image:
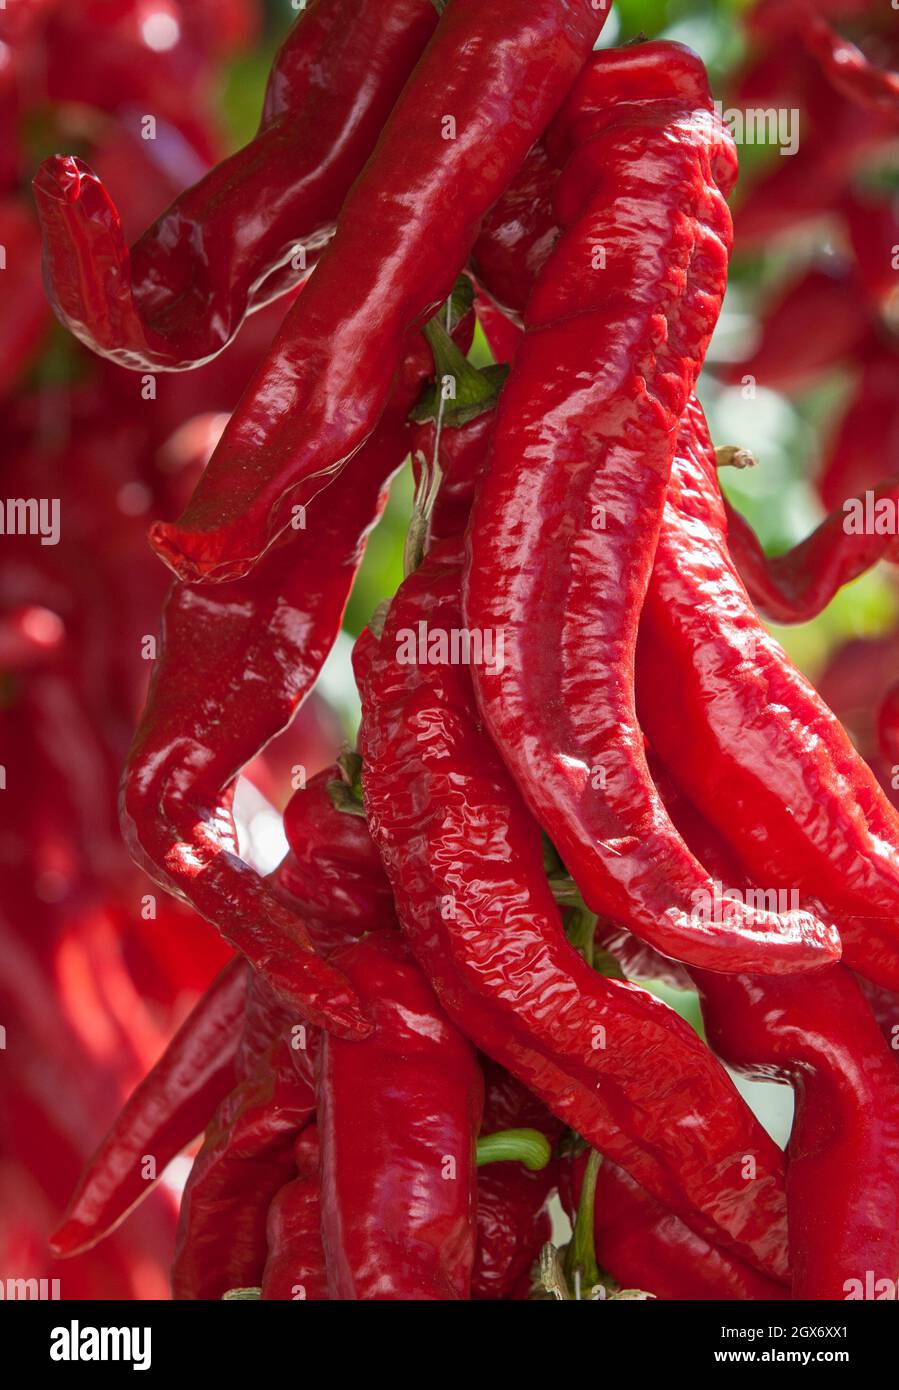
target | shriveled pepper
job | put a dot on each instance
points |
(560, 551)
(398, 1116)
(450, 146)
(251, 228)
(464, 859)
(235, 665)
(802, 810)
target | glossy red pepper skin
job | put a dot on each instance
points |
(398, 1117)
(802, 810)
(295, 1264)
(560, 705)
(645, 1246)
(403, 236)
(228, 245)
(246, 1158)
(464, 859)
(519, 232)
(795, 586)
(513, 1221)
(234, 667)
(170, 1107)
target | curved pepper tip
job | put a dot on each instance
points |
(71, 1238)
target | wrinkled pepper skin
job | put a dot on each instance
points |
(169, 1108)
(795, 586)
(295, 1264)
(246, 1159)
(398, 1117)
(464, 859)
(801, 809)
(228, 245)
(403, 236)
(563, 589)
(645, 1246)
(236, 662)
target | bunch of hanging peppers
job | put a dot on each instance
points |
(584, 763)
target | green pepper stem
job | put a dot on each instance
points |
(527, 1146)
(581, 1268)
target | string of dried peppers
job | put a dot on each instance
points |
(582, 757)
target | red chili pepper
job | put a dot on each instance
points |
(513, 1221)
(404, 234)
(254, 650)
(252, 227)
(295, 1264)
(170, 1107)
(465, 863)
(842, 1202)
(398, 1117)
(794, 586)
(582, 517)
(246, 1158)
(802, 810)
(865, 443)
(519, 232)
(645, 1246)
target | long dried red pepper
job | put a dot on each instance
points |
(403, 235)
(465, 863)
(561, 550)
(235, 664)
(802, 810)
(398, 1116)
(253, 226)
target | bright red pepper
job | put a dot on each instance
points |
(451, 145)
(865, 443)
(802, 810)
(465, 863)
(231, 243)
(398, 1117)
(581, 519)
